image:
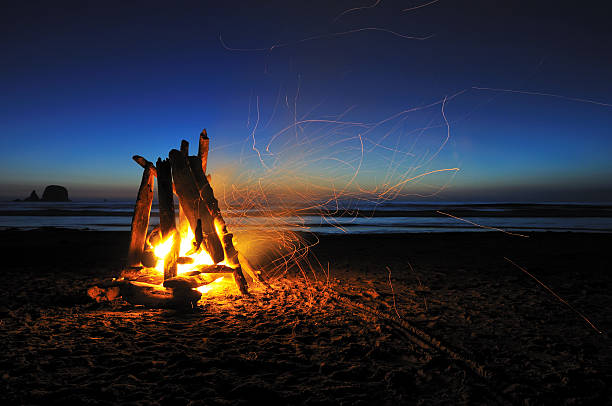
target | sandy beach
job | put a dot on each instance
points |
(389, 319)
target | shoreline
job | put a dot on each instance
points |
(409, 210)
(298, 344)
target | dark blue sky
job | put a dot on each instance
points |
(86, 86)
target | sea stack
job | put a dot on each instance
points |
(55, 193)
(32, 198)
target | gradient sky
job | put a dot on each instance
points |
(86, 85)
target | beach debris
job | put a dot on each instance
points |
(146, 294)
(178, 262)
(142, 212)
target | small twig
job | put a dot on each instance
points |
(420, 285)
(557, 296)
(416, 275)
(393, 292)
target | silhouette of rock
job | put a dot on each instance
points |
(55, 193)
(32, 198)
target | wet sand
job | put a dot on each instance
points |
(399, 319)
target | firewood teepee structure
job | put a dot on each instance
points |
(185, 175)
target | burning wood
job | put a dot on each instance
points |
(188, 259)
(194, 206)
(167, 223)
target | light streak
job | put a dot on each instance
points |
(420, 6)
(324, 36)
(403, 182)
(351, 10)
(481, 226)
(313, 164)
(555, 295)
(575, 99)
(253, 136)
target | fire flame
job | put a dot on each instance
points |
(208, 288)
(163, 249)
(197, 259)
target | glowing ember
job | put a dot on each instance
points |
(208, 288)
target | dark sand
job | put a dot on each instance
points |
(300, 344)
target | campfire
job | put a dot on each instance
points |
(178, 262)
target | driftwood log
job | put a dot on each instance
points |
(144, 163)
(231, 255)
(193, 188)
(183, 222)
(207, 195)
(193, 207)
(213, 269)
(255, 274)
(167, 223)
(203, 150)
(186, 176)
(146, 294)
(142, 212)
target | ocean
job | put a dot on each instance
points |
(362, 218)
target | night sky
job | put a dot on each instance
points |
(86, 85)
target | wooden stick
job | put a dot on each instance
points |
(185, 187)
(144, 163)
(251, 271)
(142, 213)
(208, 197)
(203, 149)
(193, 206)
(183, 222)
(167, 223)
(185, 147)
(146, 294)
(231, 255)
(240, 281)
(171, 260)
(214, 269)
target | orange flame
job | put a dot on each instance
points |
(210, 286)
(196, 260)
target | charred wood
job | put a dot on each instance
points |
(167, 222)
(193, 207)
(214, 269)
(185, 147)
(184, 260)
(145, 294)
(148, 259)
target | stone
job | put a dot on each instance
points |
(55, 193)
(32, 198)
